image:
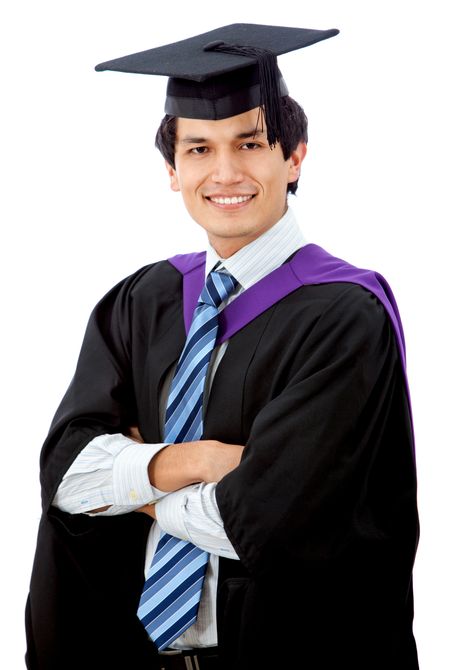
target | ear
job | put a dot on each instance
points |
(174, 185)
(295, 162)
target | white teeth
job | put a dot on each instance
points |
(235, 200)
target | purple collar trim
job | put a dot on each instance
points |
(192, 267)
(310, 265)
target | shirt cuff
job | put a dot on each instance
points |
(191, 514)
(170, 512)
(131, 484)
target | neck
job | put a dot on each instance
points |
(227, 246)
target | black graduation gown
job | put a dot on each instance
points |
(321, 511)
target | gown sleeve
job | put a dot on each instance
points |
(100, 398)
(327, 465)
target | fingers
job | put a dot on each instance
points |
(135, 435)
(147, 509)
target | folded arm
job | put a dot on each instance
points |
(116, 474)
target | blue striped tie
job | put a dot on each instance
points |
(172, 591)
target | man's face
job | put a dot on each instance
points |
(232, 183)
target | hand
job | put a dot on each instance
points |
(148, 509)
(179, 465)
(134, 434)
(217, 459)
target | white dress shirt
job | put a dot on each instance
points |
(113, 469)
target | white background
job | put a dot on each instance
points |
(85, 201)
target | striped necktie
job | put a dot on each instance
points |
(172, 590)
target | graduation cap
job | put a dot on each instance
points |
(224, 72)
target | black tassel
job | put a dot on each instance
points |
(269, 84)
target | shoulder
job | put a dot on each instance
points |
(144, 292)
(352, 300)
(327, 320)
(341, 285)
(337, 301)
(154, 277)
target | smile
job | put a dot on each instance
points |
(233, 200)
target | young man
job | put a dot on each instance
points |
(250, 403)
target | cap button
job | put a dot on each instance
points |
(213, 45)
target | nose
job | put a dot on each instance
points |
(226, 169)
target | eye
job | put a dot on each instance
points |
(250, 146)
(198, 151)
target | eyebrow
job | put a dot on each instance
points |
(250, 133)
(241, 136)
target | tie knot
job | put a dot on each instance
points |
(219, 286)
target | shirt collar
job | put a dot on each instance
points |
(260, 257)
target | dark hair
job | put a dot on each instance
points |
(295, 131)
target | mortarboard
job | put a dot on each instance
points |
(224, 72)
